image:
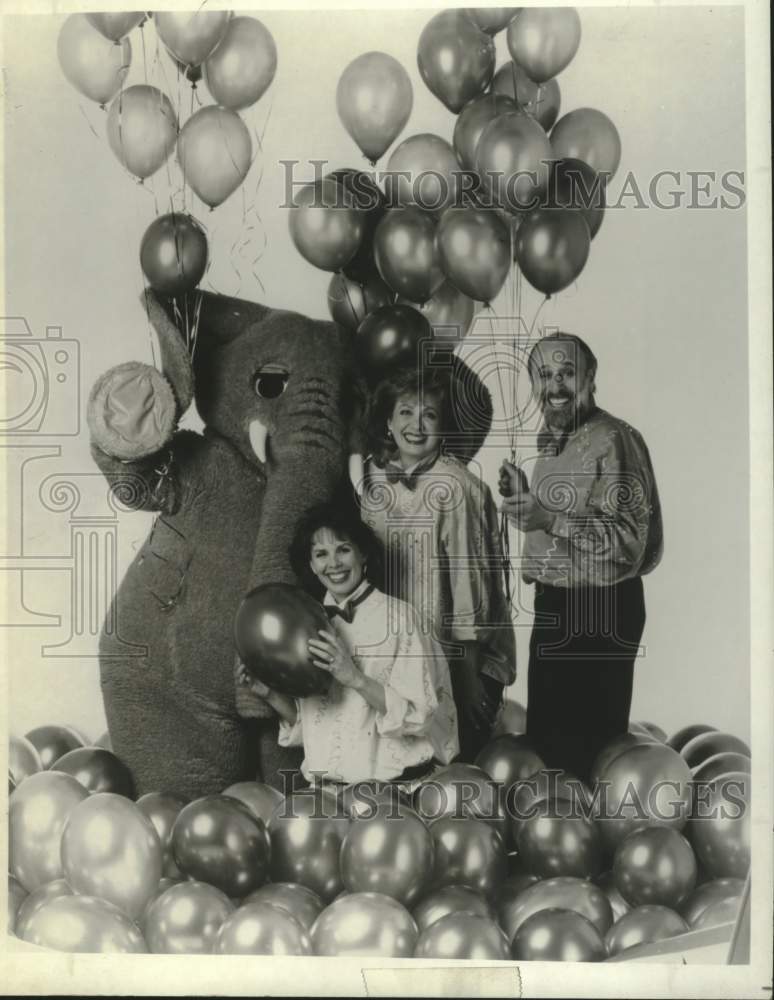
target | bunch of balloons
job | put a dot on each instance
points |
(500, 860)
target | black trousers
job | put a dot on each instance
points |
(581, 666)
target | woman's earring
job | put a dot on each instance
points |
(389, 434)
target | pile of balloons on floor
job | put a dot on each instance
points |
(498, 860)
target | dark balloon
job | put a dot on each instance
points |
(326, 229)
(563, 893)
(53, 742)
(706, 745)
(708, 894)
(575, 186)
(460, 790)
(350, 302)
(557, 935)
(614, 749)
(390, 338)
(552, 248)
(513, 159)
(185, 919)
(655, 865)
(364, 194)
(474, 246)
(588, 135)
(539, 101)
(449, 312)
(464, 935)
(365, 925)
(655, 731)
(721, 763)
(300, 902)
(455, 58)
(162, 809)
(260, 928)
(218, 840)
(468, 852)
(544, 40)
(451, 899)
(492, 19)
(643, 925)
(364, 799)
(509, 758)
(306, 833)
(97, 770)
(406, 253)
(472, 121)
(555, 841)
(720, 827)
(259, 798)
(687, 733)
(389, 854)
(173, 254)
(423, 171)
(273, 624)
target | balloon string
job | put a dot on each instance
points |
(498, 368)
(144, 61)
(537, 313)
(88, 122)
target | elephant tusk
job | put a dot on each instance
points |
(356, 472)
(259, 435)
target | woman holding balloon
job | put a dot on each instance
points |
(388, 714)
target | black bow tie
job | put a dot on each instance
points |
(395, 474)
(348, 611)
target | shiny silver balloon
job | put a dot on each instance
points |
(561, 893)
(185, 919)
(261, 799)
(365, 924)
(468, 852)
(83, 924)
(655, 865)
(557, 935)
(451, 899)
(37, 898)
(643, 925)
(162, 809)
(261, 928)
(300, 902)
(456, 58)
(706, 895)
(388, 854)
(53, 742)
(464, 935)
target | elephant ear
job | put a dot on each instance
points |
(175, 355)
(471, 412)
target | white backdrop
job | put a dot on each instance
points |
(662, 300)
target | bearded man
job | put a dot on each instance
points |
(592, 520)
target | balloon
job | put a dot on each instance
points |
(365, 924)
(643, 925)
(388, 854)
(544, 40)
(451, 899)
(186, 918)
(614, 749)
(706, 745)
(111, 850)
(512, 718)
(53, 742)
(259, 798)
(492, 19)
(300, 902)
(647, 785)
(191, 37)
(456, 58)
(93, 65)
(406, 253)
(98, 770)
(468, 852)
(526, 794)
(692, 908)
(618, 904)
(460, 790)
(173, 254)
(350, 302)
(557, 935)
(588, 135)
(218, 840)
(162, 809)
(721, 911)
(115, 26)
(192, 73)
(142, 129)
(540, 101)
(83, 924)
(38, 812)
(552, 247)
(472, 120)
(242, 67)
(325, 230)
(390, 338)
(163, 884)
(23, 759)
(720, 826)
(360, 191)
(272, 627)
(513, 159)
(423, 171)
(306, 836)
(721, 763)
(374, 97)
(575, 186)
(449, 312)
(656, 731)
(215, 152)
(564, 893)
(556, 841)
(39, 897)
(464, 935)
(261, 928)
(654, 866)
(687, 733)
(16, 896)
(475, 251)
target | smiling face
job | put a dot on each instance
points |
(415, 425)
(561, 382)
(336, 562)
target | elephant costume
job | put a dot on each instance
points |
(281, 400)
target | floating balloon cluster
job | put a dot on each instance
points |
(236, 57)
(514, 184)
(498, 860)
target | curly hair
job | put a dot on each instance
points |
(411, 383)
(343, 520)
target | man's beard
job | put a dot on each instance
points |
(560, 418)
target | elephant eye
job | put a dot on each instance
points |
(269, 383)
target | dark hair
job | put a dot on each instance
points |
(343, 519)
(409, 382)
(582, 346)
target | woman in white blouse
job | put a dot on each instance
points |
(389, 713)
